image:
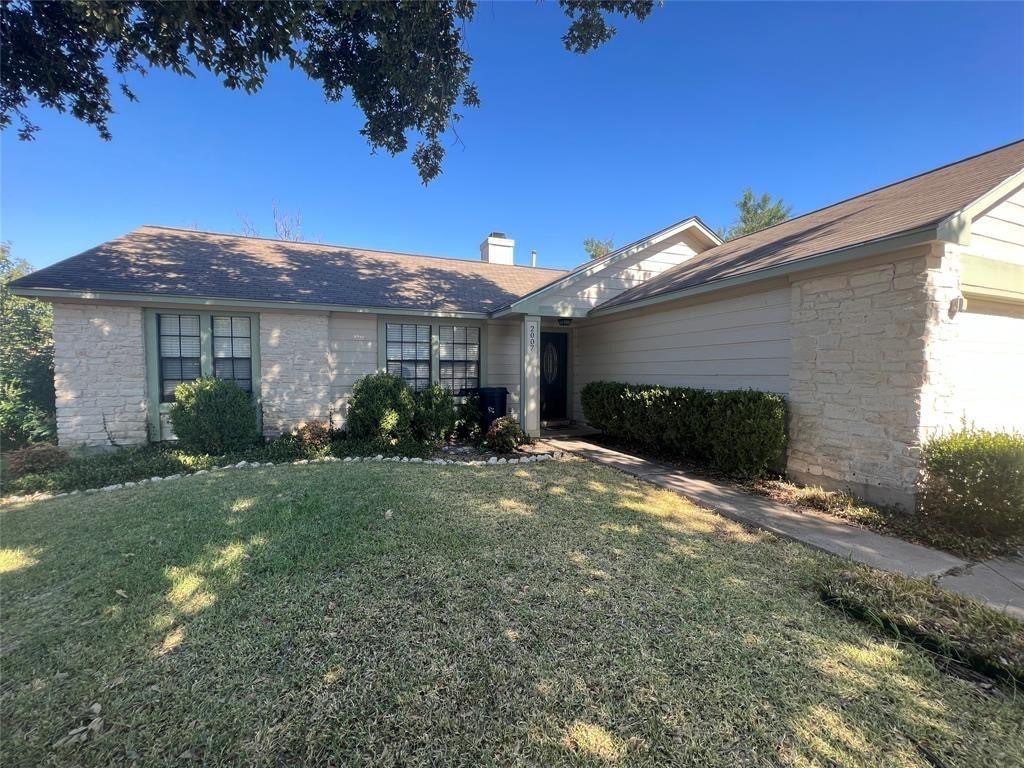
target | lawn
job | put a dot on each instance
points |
(559, 613)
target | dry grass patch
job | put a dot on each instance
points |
(559, 614)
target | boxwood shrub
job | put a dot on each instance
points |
(973, 481)
(741, 432)
(381, 409)
(213, 416)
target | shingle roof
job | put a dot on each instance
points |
(901, 207)
(163, 261)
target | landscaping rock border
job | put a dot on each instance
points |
(492, 461)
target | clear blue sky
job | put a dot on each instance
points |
(813, 102)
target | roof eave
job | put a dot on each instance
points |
(862, 250)
(529, 302)
(151, 299)
(956, 228)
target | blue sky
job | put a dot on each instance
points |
(813, 102)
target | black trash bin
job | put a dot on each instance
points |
(493, 404)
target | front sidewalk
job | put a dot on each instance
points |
(999, 583)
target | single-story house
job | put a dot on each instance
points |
(883, 318)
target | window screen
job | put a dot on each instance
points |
(459, 357)
(408, 353)
(179, 352)
(232, 350)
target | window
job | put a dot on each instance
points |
(408, 353)
(180, 356)
(232, 350)
(459, 353)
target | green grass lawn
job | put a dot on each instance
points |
(558, 613)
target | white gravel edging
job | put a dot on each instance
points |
(492, 461)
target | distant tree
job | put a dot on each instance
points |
(597, 249)
(26, 360)
(755, 213)
(403, 63)
(287, 226)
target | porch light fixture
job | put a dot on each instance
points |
(565, 321)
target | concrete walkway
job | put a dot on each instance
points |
(1000, 583)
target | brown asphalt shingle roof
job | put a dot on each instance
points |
(905, 206)
(175, 262)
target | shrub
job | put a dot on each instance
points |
(37, 458)
(469, 418)
(22, 422)
(433, 419)
(381, 408)
(213, 416)
(974, 482)
(741, 432)
(918, 610)
(314, 437)
(505, 435)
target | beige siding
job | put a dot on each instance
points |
(588, 292)
(731, 343)
(504, 360)
(352, 342)
(999, 234)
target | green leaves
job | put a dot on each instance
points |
(755, 214)
(26, 361)
(403, 64)
(213, 416)
(974, 482)
(739, 432)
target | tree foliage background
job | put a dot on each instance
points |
(756, 213)
(597, 248)
(26, 361)
(403, 64)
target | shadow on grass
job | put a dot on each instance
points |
(558, 614)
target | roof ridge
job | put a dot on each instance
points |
(876, 189)
(339, 246)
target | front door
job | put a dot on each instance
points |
(553, 376)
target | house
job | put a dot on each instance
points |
(883, 318)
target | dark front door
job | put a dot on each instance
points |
(553, 376)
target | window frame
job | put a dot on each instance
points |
(435, 322)
(455, 360)
(157, 410)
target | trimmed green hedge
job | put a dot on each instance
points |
(740, 432)
(974, 482)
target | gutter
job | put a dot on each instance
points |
(850, 253)
(148, 299)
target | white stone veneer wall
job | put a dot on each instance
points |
(858, 368)
(296, 369)
(99, 374)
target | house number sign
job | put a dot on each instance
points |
(531, 338)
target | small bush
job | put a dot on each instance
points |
(433, 420)
(918, 610)
(740, 432)
(23, 422)
(37, 458)
(213, 416)
(315, 437)
(469, 418)
(381, 408)
(974, 482)
(505, 435)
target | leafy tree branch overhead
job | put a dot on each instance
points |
(403, 64)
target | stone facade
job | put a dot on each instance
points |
(859, 364)
(99, 374)
(296, 369)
